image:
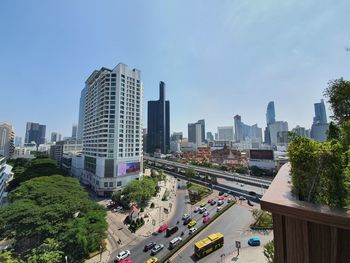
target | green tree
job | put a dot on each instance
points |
(49, 251)
(6, 257)
(116, 196)
(190, 173)
(338, 93)
(269, 252)
(333, 132)
(140, 191)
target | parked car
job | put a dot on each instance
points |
(242, 198)
(254, 241)
(221, 193)
(152, 260)
(206, 219)
(185, 216)
(213, 202)
(193, 229)
(221, 198)
(127, 260)
(219, 208)
(192, 223)
(252, 193)
(149, 246)
(206, 213)
(226, 194)
(202, 210)
(162, 228)
(230, 200)
(196, 209)
(122, 255)
(210, 200)
(187, 220)
(203, 204)
(220, 202)
(156, 249)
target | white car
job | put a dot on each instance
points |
(185, 216)
(196, 209)
(193, 229)
(226, 194)
(219, 208)
(122, 255)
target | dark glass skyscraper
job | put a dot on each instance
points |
(270, 113)
(320, 113)
(35, 132)
(158, 123)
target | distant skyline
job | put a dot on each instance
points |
(218, 59)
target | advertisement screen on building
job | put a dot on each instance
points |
(261, 154)
(128, 168)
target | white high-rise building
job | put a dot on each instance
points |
(277, 129)
(112, 130)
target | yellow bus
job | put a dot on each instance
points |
(208, 244)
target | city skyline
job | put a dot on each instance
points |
(244, 71)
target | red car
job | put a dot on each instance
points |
(127, 260)
(210, 200)
(221, 198)
(162, 228)
(206, 219)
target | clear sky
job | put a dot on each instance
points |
(218, 58)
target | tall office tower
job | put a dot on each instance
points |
(74, 131)
(18, 141)
(144, 140)
(270, 113)
(256, 133)
(112, 135)
(158, 123)
(59, 137)
(210, 136)
(267, 138)
(7, 136)
(35, 132)
(225, 133)
(216, 136)
(319, 126)
(192, 133)
(54, 136)
(176, 136)
(81, 113)
(199, 136)
(275, 128)
(238, 128)
(300, 131)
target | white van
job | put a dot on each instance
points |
(173, 243)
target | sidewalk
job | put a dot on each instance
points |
(247, 255)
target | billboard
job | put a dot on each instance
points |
(261, 154)
(128, 168)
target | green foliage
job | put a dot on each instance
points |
(6, 257)
(269, 252)
(333, 132)
(136, 224)
(49, 251)
(140, 191)
(338, 93)
(262, 218)
(190, 173)
(26, 170)
(53, 207)
(116, 196)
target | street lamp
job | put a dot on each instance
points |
(66, 258)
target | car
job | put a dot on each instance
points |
(221, 193)
(156, 249)
(210, 200)
(242, 185)
(162, 228)
(185, 216)
(196, 209)
(149, 246)
(230, 200)
(226, 194)
(221, 198)
(213, 202)
(152, 260)
(220, 202)
(250, 203)
(206, 219)
(206, 213)
(203, 204)
(122, 255)
(219, 208)
(254, 241)
(127, 260)
(202, 210)
(173, 243)
(193, 229)
(230, 192)
(187, 220)
(242, 198)
(252, 193)
(192, 223)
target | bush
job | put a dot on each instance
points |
(142, 210)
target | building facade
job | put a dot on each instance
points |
(74, 131)
(192, 132)
(35, 132)
(276, 131)
(319, 126)
(7, 135)
(81, 114)
(54, 137)
(5, 176)
(158, 123)
(112, 129)
(225, 133)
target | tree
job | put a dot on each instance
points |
(333, 132)
(116, 196)
(49, 251)
(6, 257)
(190, 173)
(338, 93)
(269, 252)
(140, 191)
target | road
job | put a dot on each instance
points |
(234, 224)
(247, 187)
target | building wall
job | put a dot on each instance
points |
(6, 140)
(274, 128)
(35, 132)
(225, 133)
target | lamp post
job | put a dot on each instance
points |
(66, 258)
(101, 250)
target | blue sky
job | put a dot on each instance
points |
(218, 58)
